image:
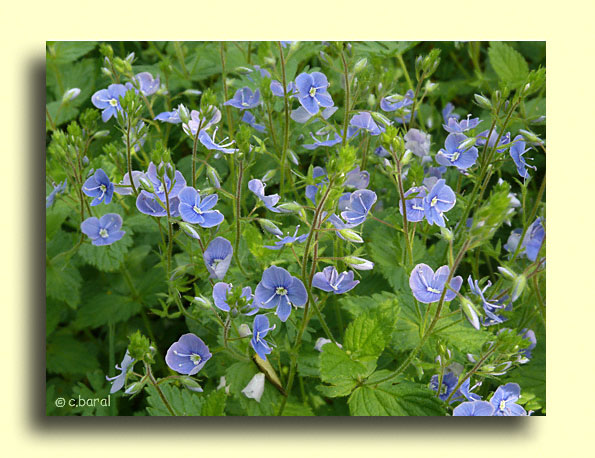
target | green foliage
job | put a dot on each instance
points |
(106, 258)
(182, 401)
(509, 64)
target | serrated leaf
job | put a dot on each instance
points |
(182, 401)
(390, 398)
(63, 283)
(106, 258)
(336, 365)
(364, 337)
(509, 64)
(67, 355)
(293, 409)
(214, 405)
(103, 308)
(69, 51)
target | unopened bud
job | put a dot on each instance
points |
(292, 157)
(269, 226)
(71, 94)
(183, 113)
(518, 286)
(508, 273)
(465, 145)
(360, 65)
(483, 102)
(351, 236)
(358, 263)
(213, 177)
(146, 185)
(470, 312)
(267, 176)
(189, 230)
(289, 207)
(101, 133)
(244, 330)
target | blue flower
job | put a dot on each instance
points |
(360, 203)
(148, 204)
(448, 112)
(103, 231)
(287, 240)
(277, 88)
(209, 143)
(124, 187)
(453, 154)
(357, 179)
(417, 142)
(261, 328)
(427, 286)
(147, 84)
(329, 280)
(483, 137)
(58, 189)
(440, 199)
(301, 115)
(449, 382)
(490, 307)
(108, 100)
(249, 119)
(99, 186)
(456, 127)
(195, 210)
(517, 149)
(217, 257)
(364, 121)
(312, 189)
(474, 409)
(172, 117)
(244, 99)
(529, 335)
(504, 401)
(221, 292)
(278, 288)
(325, 142)
(118, 381)
(397, 102)
(415, 206)
(188, 355)
(534, 239)
(313, 92)
(257, 187)
(173, 188)
(196, 121)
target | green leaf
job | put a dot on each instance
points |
(364, 337)
(509, 65)
(183, 401)
(103, 308)
(106, 258)
(394, 398)
(214, 405)
(69, 51)
(63, 283)
(293, 409)
(63, 355)
(336, 365)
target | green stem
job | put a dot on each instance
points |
(161, 395)
(238, 200)
(346, 114)
(286, 125)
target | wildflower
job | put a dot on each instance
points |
(301, 115)
(149, 205)
(490, 307)
(278, 288)
(188, 355)
(221, 297)
(357, 179)
(440, 199)
(249, 119)
(58, 189)
(257, 187)
(358, 263)
(108, 100)
(448, 112)
(449, 382)
(397, 102)
(360, 203)
(277, 88)
(217, 257)
(124, 187)
(103, 231)
(173, 187)
(529, 335)
(288, 240)
(312, 89)
(454, 126)
(255, 387)
(454, 154)
(99, 186)
(474, 409)
(504, 401)
(147, 84)
(312, 189)
(71, 94)
(172, 117)
(195, 210)
(118, 381)
(364, 121)
(414, 206)
(196, 121)
(482, 138)
(517, 149)
(417, 142)
(329, 280)
(260, 330)
(244, 99)
(427, 286)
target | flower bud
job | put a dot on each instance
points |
(470, 312)
(465, 145)
(351, 236)
(292, 157)
(271, 227)
(380, 118)
(106, 71)
(508, 273)
(101, 133)
(446, 234)
(213, 177)
(71, 94)
(146, 185)
(530, 136)
(183, 113)
(192, 92)
(244, 330)
(289, 207)
(360, 65)
(483, 102)
(189, 230)
(134, 388)
(130, 57)
(267, 176)
(255, 387)
(358, 263)
(518, 286)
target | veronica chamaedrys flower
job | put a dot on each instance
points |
(473, 409)
(277, 88)
(58, 189)
(449, 382)
(396, 101)
(288, 240)
(99, 186)
(417, 142)
(358, 179)
(415, 205)
(331, 281)
(278, 288)
(257, 187)
(534, 239)
(490, 307)
(209, 143)
(188, 355)
(220, 297)
(197, 210)
(244, 99)
(124, 187)
(173, 187)
(108, 100)
(364, 121)
(427, 286)
(301, 115)
(312, 189)
(440, 199)
(196, 121)
(119, 380)
(448, 112)
(358, 263)
(517, 149)
(103, 231)
(456, 127)
(482, 138)
(454, 155)
(249, 119)
(148, 204)
(504, 401)
(360, 203)
(147, 84)
(217, 257)
(529, 335)
(260, 329)
(255, 387)
(312, 89)
(172, 117)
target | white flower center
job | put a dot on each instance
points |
(102, 187)
(434, 201)
(113, 102)
(103, 233)
(502, 405)
(312, 91)
(432, 290)
(197, 210)
(281, 291)
(455, 156)
(195, 359)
